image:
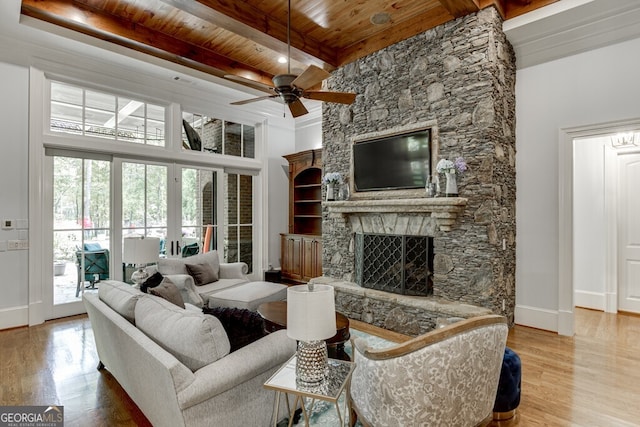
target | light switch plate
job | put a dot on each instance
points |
(7, 224)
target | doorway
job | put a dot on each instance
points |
(567, 167)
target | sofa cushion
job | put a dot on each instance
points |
(169, 291)
(121, 297)
(194, 339)
(202, 273)
(178, 265)
(248, 295)
(187, 289)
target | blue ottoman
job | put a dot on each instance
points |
(508, 396)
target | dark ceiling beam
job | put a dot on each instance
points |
(515, 8)
(253, 24)
(458, 8)
(84, 19)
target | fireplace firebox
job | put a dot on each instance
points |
(394, 263)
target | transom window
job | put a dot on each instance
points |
(81, 111)
(212, 135)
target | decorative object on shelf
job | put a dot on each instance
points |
(449, 169)
(344, 192)
(140, 251)
(311, 319)
(431, 187)
(331, 180)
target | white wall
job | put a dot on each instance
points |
(309, 129)
(281, 143)
(594, 87)
(14, 87)
(589, 223)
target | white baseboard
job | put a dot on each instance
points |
(535, 317)
(588, 299)
(14, 317)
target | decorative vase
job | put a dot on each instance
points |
(430, 188)
(451, 189)
(330, 190)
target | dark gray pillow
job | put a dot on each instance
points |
(169, 291)
(202, 273)
(154, 280)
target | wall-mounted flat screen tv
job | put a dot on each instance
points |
(394, 162)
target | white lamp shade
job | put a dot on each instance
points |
(311, 315)
(141, 250)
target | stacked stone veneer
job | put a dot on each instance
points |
(460, 77)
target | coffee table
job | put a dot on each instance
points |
(274, 314)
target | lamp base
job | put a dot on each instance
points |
(311, 362)
(139, 276)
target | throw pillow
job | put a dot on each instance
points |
(241, 325)
(169, 291)
(202, 273)
(152, 281)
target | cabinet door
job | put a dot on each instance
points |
(291, 257)
(311, 258)
(308, 258)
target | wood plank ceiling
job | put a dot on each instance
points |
(245, 38)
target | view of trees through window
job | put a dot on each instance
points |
(81, 205)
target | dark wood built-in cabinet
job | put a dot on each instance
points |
(302, 247)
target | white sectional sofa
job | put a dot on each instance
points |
(175, 363)
(205, 281)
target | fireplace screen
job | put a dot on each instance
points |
(392, 263)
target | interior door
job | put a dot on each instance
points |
(629, 233)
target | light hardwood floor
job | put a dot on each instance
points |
(591, 379)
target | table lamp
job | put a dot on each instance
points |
(140, 251)
(311, 319)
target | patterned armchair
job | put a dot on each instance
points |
(446, 377)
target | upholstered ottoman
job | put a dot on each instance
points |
(508, 396)
(248, 295)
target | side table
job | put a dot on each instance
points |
(283, 381)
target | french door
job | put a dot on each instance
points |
(97, 202)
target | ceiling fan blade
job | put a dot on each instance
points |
(260, 98)
(339, 97)
(250, 83)
(297, 108)
(310, 77)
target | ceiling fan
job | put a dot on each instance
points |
(290, 87)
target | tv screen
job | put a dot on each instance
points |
(395, 162)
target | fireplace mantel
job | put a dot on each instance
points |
(445, 210)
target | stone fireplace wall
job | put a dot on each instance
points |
(461, 77)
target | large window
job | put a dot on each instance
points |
(91, 113)
(238, 235)
(211, 135)
(103, 191)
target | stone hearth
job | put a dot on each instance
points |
(459, 79)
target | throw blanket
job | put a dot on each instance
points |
(241, 325)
